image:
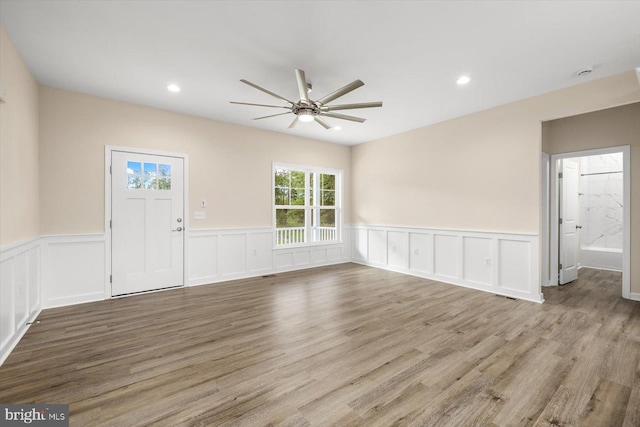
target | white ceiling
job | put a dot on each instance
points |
(409, 54)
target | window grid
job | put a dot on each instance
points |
(315, 221)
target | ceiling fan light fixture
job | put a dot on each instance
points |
(305, 116)
(308, 110)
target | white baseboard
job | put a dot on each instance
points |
(635, 296)
(6, 350)
(75, 299)
(501, 263)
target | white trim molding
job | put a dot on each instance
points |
(108, 149)
(73, 269)
(20, 291)
(501, 263)
(218, 255)
(626, 202)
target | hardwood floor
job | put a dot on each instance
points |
(344, 345)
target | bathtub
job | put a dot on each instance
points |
(601, 258)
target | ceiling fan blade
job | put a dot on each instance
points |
(351, 106)
(322, 122)
(302, 86)
(259, 105)
(293, 123)
(340, 92)
(344, 117)
(264, 90)
(273, 115)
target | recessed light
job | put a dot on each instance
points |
(173, 88)
(337, 128)
(463, 80)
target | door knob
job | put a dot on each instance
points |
(179, 220)
(578, 226)
(178, 229)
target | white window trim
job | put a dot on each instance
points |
(338, 206)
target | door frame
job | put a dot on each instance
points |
(626, 212)
(107, 210)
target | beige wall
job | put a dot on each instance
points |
(230, 165)
(18, 147)
(477, 172)
(607, 128)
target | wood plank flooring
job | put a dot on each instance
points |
(345, 345)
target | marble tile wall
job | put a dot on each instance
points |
(601, 201)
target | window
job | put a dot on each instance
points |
(148, 176)
(307, 203)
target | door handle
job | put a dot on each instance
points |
(178, 229)
(578, 226)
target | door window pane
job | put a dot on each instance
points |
(150, 169)
(149, 183)
(134, 168)
(164, 183)
(134, 182)
(164, 170)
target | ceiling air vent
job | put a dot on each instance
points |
(584, 71)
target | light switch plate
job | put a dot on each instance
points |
(199, 215)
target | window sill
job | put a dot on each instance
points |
(308, 245)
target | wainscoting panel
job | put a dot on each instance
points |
(515, 269)
(477, 260)
(421, 252)
(301, 258)
(359, 244)
(446, 250)
(232, 254)
(377, 246)
(249, 252)
(502, 263)
(73, 270)
(398, 250)
(260, 251)
(19, 291)
(203, 256)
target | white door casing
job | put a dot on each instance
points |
(569, 216)
(147, 230)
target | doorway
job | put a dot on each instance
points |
(590, 214)
(146, 192)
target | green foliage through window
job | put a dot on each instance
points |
(298, 196)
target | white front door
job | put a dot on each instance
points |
(147, 229)
(569, 214)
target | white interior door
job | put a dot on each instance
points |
(569, 214)
(147, 229)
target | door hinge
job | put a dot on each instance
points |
(111, 278)
(560, 220)
(560, 266)
(110, 170)
(560, 175)
(110, 223)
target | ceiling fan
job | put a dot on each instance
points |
(307, 110)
